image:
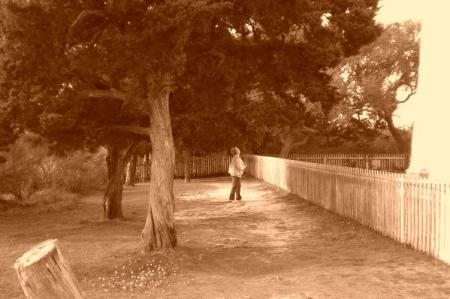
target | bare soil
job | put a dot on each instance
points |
(270, 245)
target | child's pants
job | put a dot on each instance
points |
(235, 188)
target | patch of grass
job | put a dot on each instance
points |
(139, 273)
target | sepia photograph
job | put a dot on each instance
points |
(224, 149)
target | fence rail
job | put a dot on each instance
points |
(199, 166)
(388, 162)
(410, 210)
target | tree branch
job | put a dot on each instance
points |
(96, 37)
(104, 93)
(407, 98)
(132, 129)
(300, 143)
(403, 81)
(85, 14)
(306, 129)
(109, 94)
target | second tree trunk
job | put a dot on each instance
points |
(112, 199)
(159, 230)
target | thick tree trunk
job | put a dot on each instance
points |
(187, 165)
(262, 147)
(131, 171)
(396, 135)
(287, 142)
(112, 199)
(43, 273)
(159, 230)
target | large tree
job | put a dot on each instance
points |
(381, 77)
(138, 49)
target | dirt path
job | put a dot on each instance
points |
(270, 245)
(275, 245)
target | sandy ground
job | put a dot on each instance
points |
(270, 245)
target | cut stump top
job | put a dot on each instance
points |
(36, 253)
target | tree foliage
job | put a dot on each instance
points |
(384, 75)
(298, 44)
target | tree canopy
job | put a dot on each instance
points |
(136, 53)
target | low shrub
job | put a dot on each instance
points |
(29, 167)
(42, 201)
(19, 174)
(80, 172)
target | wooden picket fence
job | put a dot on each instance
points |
(388, 162)
(409, 209)
(216, 165)
(205, 166)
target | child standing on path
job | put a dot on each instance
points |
(236, 170)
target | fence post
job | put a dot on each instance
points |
(367, 161)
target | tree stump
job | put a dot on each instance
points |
(43, 273)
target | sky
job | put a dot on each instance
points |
(429, 107)
(398, 10)
(392, 11)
